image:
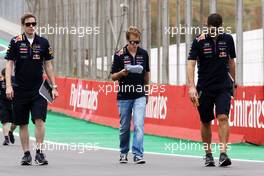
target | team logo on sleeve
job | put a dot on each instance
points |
(18, 38)
(201, 37)
(120, 52)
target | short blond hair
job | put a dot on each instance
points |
(133, 30)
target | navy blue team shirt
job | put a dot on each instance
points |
(29, 60)
(213, 60)
(135, 80)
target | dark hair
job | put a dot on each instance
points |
(3, 72)
(26, 16)
(215, 20)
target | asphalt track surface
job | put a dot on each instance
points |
(105, 162)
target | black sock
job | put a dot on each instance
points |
(38, 151)
(6, 138)
(27, 153)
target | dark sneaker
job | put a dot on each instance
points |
(6, 142)
(40, 159)
(224, 160)
(209, 160)
(26, 160)
(139, 160)
(11, 137)
(123, 159)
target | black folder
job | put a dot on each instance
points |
(45, 91)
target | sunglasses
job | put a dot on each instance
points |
(29, 24)
(132, 42)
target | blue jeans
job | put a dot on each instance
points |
(126, 107)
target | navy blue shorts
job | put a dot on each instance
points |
(6, 112)
(26, 103)
(220, 100)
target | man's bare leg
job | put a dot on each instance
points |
(39, 133)
(5, 133)
(24, 137)
(223, 132)
(206, 134)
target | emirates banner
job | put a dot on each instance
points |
(169, 111)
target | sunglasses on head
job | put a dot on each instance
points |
(132, 42)
(29, 24)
